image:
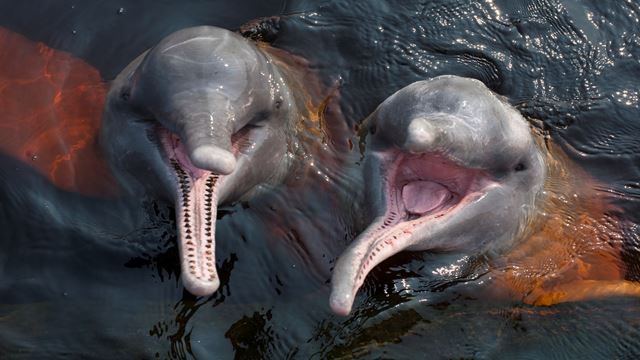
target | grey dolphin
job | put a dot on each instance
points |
(448, 166)
(204, 116)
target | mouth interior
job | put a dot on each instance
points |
(423, 187)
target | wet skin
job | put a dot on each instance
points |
(449, 166)
(204, 119)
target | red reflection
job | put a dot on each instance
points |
(51, 109)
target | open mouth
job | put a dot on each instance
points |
(423, 187)
(196, 210)
(420, 192)
(197, 197)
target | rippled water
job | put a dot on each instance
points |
(86, 277)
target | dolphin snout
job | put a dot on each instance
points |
(214, 159)
(341, 303)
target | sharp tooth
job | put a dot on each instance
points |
(197, 229)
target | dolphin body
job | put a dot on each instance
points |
(448, 166)
(205, 117)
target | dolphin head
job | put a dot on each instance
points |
(448, 166)
(204, 115)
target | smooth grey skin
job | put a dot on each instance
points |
(203, 84)
(463, 121)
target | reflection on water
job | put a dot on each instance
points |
(82, 277)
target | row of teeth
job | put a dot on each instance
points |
(389, 220)
(184, 181)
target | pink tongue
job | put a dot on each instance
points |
(420, 197)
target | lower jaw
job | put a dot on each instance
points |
(196, 199)
(196, 211)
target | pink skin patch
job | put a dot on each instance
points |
(419, 189)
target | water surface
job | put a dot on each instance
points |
(88, 278)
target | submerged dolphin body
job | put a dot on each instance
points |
(203, 116)
(448, 166)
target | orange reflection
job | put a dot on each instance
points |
(51, 109)
(573, 251)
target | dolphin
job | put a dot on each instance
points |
(448, 166)
(203, 118)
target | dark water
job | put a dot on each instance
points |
(87, 278)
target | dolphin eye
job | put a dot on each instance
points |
(520, 167)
